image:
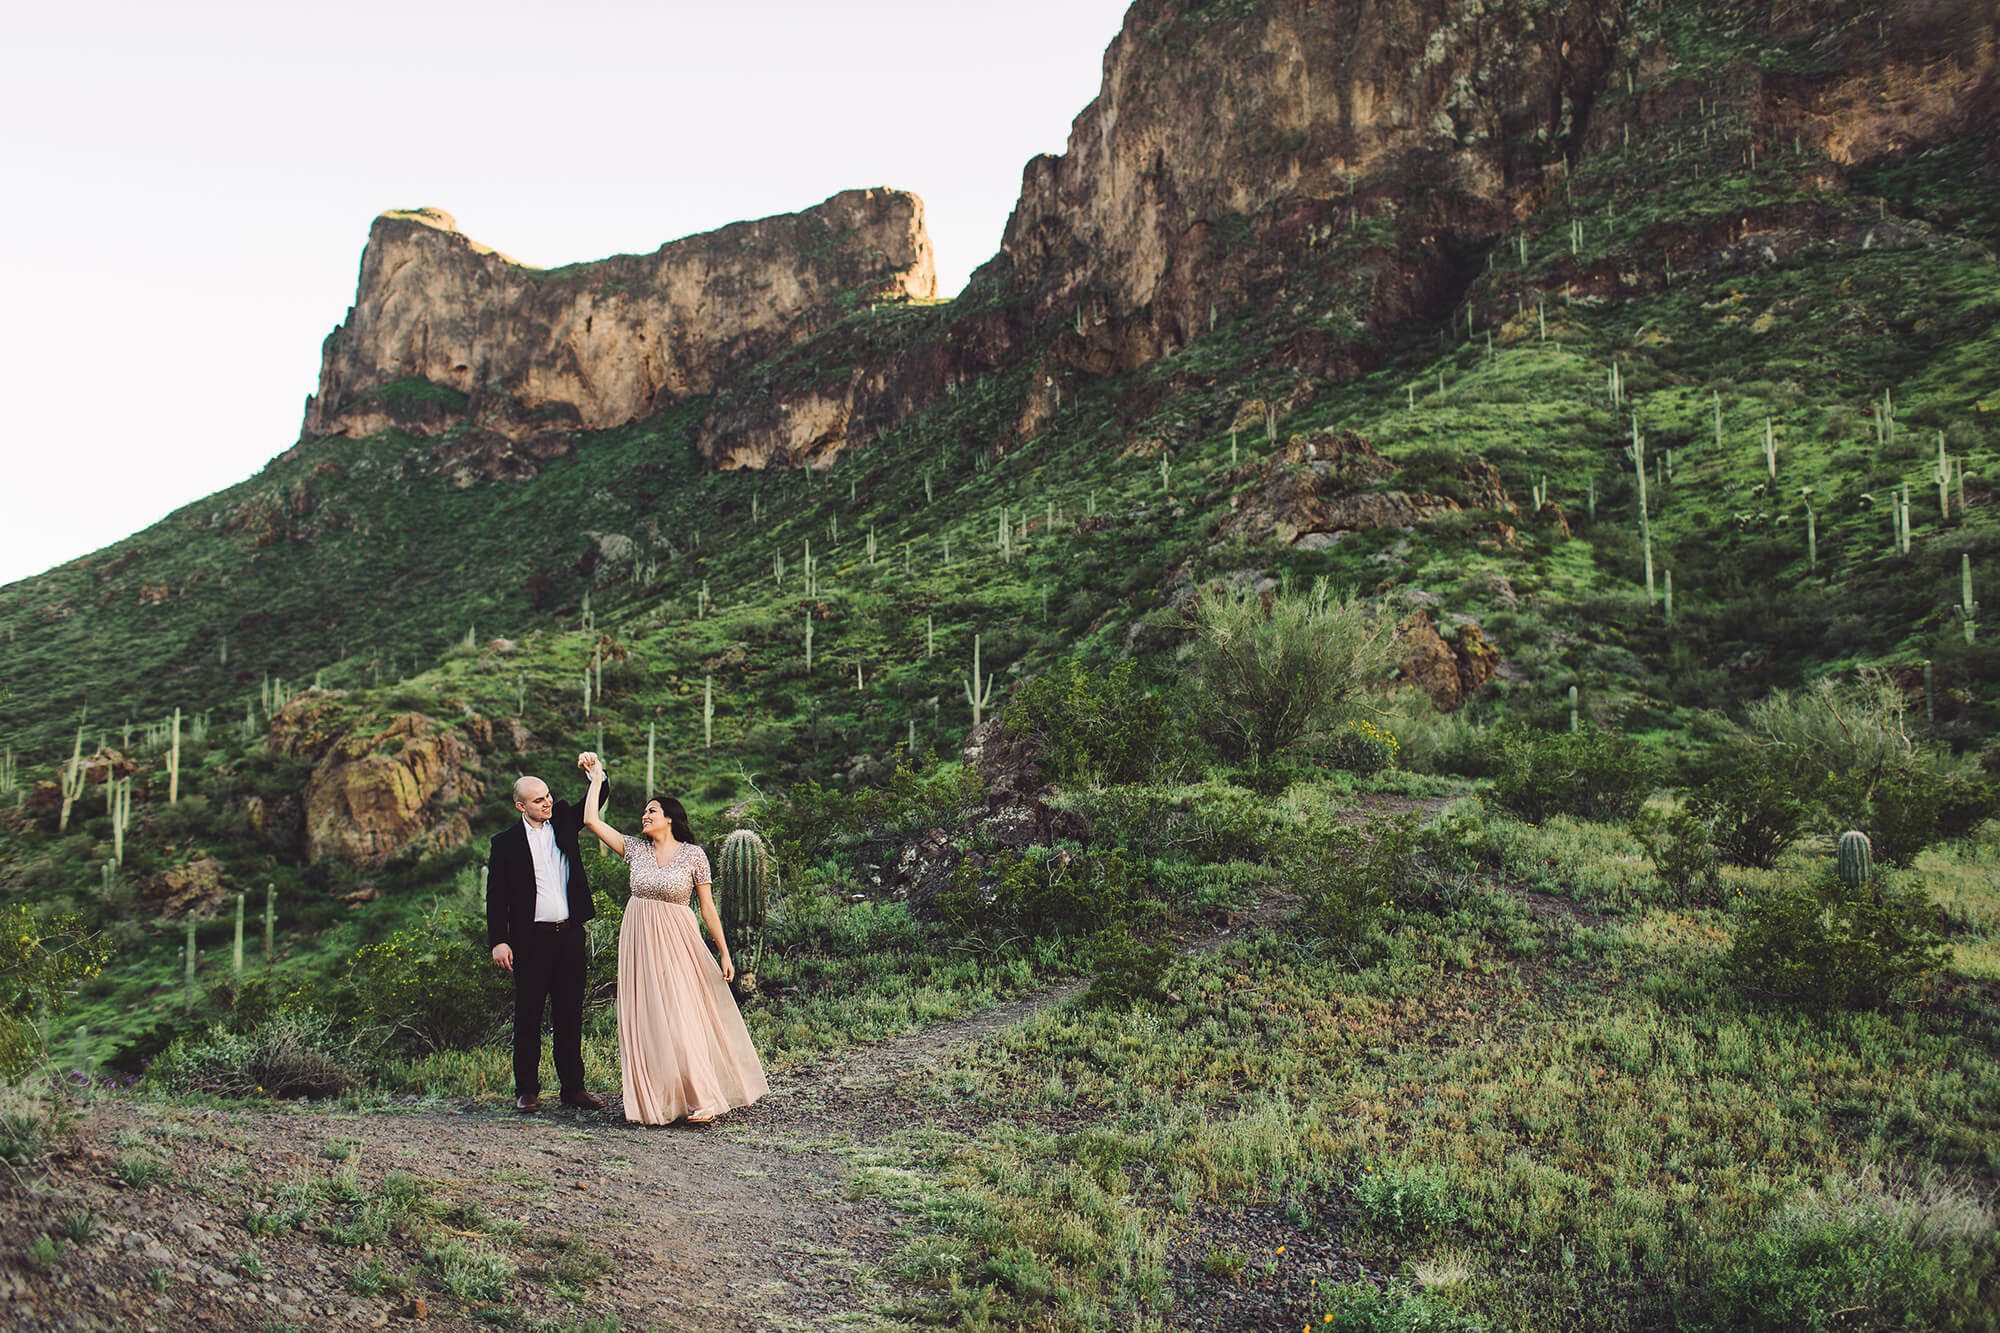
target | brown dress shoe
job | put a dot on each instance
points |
(528, 1102)
(585, 1101)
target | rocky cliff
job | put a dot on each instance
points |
(445, 331)
(1349, 165)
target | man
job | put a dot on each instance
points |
(537, 899)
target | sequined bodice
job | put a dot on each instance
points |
(673, 882)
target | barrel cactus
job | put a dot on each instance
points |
(1857, 859)
(744, 877)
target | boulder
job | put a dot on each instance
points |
(379, 786)
(1450, 671)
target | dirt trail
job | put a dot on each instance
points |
(744, 1225)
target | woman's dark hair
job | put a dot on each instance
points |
(677, 816)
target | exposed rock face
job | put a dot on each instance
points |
(1322, 485)
(445, 331)
(1352, 159)
(379, 786)
(1206, 116)
(194, 889)
(1450, 671)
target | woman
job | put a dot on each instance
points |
(685, 1051)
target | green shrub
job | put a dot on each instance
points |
(1448, 743)
(1920, 805)
(1097, 726)
(1682, 848)
(1853, 1255)
(1755, 809)
(432, 986)
(1823, 944)
(30, 1123)
(1348, 879)
(1590, 774)
(43, 957)
(1359, 746)
(295, 1054)
(1042, 893)
(1125, 966)
(1405, 1201)
(1850, 729)
(1205, 821)
(1361, 1307)
(1278, 669)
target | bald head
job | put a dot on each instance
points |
(532, 799)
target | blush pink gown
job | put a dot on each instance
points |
(681, 1038)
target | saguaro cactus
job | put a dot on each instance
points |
(976, 693)
(1856, 858)
(743, 874)
(72, 777)
(1968, 609)
(174, 764)
(1637, 453)
(1942, 476)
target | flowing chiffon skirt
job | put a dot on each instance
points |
(681, 1038)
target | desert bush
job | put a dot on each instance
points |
(1279, 670)
(1405, 1201)
(1824, 944)
(432, 985)
(1590, 774)
(1923, 804)
(1043, 893)
(297, 1053)
(1754, 807)
(1683, 852)
(43, 957)
(1359, 746)
(1856, 1253)
(1126, 966)
(1362, 1307)
(30, 1123)
(1434, 742)
(1852, 731)
(1097, 726)
(1349, 880)
(1204, 821)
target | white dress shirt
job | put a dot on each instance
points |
(551, 873)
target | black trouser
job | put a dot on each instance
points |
(548, 971)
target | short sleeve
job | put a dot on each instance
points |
(698, 865)
(631, 847)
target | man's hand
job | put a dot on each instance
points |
(503, 957)
(587, 760)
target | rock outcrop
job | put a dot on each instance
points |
(1450, 671)
(446, 332)
(1322, 485)
(1350, 162)
(379, 785)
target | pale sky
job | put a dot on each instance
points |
(189, 186)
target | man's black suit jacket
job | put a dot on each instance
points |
(510, 877)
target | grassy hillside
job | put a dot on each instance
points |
(1583, 1118)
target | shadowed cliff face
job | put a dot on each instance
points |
(445, 331)
(1347, 164)
(1351, 162)
(1454, 111)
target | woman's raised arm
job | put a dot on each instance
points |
(607, 835)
